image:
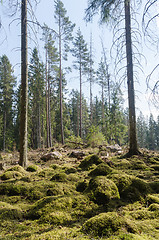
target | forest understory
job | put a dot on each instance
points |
(79, 193)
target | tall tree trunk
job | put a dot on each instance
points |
(61, 97)
(80, 102)
(24, 86)
(133, 149)
(39, 127)
(4, 130)
(47, 115)
(91, 81)
(102, 108)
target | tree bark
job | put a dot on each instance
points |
(4, 130)
(80, 101)
(24, 86)
(133, 148)
(61, 97)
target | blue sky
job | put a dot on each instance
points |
(75, 10)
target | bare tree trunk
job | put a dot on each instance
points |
(24, 86)
(80, 102)
(4, 130)
(47, 115)
(61, 97)
(91, 81)
(39, 128)
(133, 149)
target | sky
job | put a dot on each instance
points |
(44, 12)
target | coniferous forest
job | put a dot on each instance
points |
(76, 163)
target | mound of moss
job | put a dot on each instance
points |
(101, 170)
(15, 172)
(62, 209)
(136, 191)
(122, 181)
(11, 175)
(81, 186)
(106, 224)
(89, 161)
(59, 177)
(33, 168)
(103, 190)
(8, 211)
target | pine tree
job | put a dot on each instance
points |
(7, 82)
(108, 9)
(64, 34)
(80, 52)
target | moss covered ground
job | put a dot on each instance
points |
(112, 198)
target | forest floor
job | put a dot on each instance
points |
(87, 193)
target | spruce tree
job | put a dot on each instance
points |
(7, 82)
(36, 99)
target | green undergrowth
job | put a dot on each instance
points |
(115, 199)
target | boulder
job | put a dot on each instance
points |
(51, 156)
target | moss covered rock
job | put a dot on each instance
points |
(81, 186)
(104, 224)
(136, 191)
(11, 175)
(123, 181)
(33, 168)
(101, 170)
(89, 161)
(103, 190)
(152, 198)
(59, 177)
(8, 211)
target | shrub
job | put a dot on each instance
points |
(95, 137)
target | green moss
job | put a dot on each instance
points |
(155, 186)
(17, 168)
(81, 186)
(154, 207)
(59, 177)
(103, 190)
(57, 218)
(101, 170)
(46, 172)
(123, 181)
(55, 190)
(8, 211)
(49, 204)
(136, 191)
(33, 168)
(11, 175)
(142, 214)
(152, 198)
(104, 224)
(89, 161)
(70, 170)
